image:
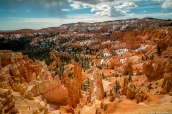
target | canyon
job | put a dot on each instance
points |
(114, 67)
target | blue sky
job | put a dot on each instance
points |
(37, 14)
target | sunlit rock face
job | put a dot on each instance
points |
(96, 91)
(96, 94)
(133, 91)
(73, 86)
(128, 70)
(7, 102)
(152, 69)
(166, 85)
(125, 83)
(20, 66)
(29, 79)
(33, 79)
(58, 94)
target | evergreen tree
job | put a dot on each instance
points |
(117, 87)
(130, 78)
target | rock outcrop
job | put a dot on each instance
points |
(20, 66)
(167, 83)
(95, 108)
(73, 86)
(132, 91)
(124, 86)
(7, 102)
(96, 91)
(30, 80)
(128, 69)
(153, 70)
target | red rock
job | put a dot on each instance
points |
(153, 70)
(128, 69)
(96, 91)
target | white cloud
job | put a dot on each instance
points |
(108, 10)
(168, 14)
(113, 9)
(127, 10)
(165, 3)
(127, 5)
(117, 12)
(75, 5)
(131, 14)
(65, 10)
(80, 5)
(95, 2)
(99, 8)
(86, 5)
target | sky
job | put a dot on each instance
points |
(37, 14)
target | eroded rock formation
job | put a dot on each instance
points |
(153, 70)
(167, 83)
(7, 104)
(29, 85)
(132, 91)
(27, 80)
(128, 70)
(73, 86)
(96, 91)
